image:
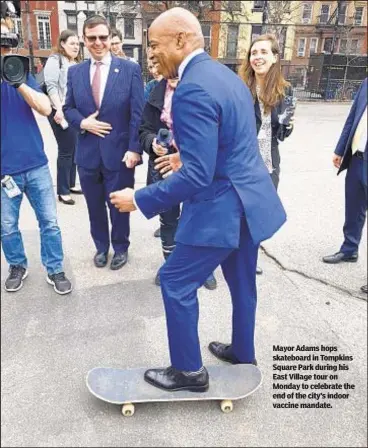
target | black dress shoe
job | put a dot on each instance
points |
(224, 352)
(259, 271)
(157, 233)
(340, 256)
(173, 380)
(66, 201)
(118, 260)
(364, 288)
(75, 191)
(100, 259)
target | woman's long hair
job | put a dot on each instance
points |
(64, 36)
(274, 86)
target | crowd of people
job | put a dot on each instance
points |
(213, 183)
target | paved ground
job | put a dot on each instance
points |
(117, 319)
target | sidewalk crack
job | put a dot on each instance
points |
(310, 277)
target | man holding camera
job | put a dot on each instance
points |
(24, 170)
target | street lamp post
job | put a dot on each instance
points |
(29, 35)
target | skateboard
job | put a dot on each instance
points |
(126, 387)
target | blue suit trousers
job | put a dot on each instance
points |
(184, 272)
(97, 185)
(355, 205)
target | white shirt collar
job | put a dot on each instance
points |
(106, 60)
(186, 61)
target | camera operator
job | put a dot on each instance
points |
(24, 170)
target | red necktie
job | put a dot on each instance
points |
(96, 84)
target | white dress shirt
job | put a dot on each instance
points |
(360, 136)
(104, 69)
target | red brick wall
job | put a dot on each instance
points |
(47, 6)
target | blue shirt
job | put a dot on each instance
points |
(21, 140)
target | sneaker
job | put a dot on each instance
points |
(15, 280)
(60, 283)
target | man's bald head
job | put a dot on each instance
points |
(173, 35)
(180, 20)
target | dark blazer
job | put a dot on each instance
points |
(121, 106)
(151, 118)
(343, 147)
(279, 131)
(223, 175)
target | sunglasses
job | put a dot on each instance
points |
(94, 38)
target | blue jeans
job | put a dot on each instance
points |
(36, 184)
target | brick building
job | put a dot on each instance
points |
(43, 20)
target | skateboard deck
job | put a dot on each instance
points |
(127, 386)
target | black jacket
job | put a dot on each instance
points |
(279, 131)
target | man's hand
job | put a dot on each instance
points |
(158, 149)
(123, 200)
(99, 128)
(59, 116)
(336, 160)
(168, 164)
(131, 159)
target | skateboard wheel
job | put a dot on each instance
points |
(127, 409)
(226, 406)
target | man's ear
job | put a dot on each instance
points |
(181, 39)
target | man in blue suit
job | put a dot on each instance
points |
(351, 154)
(229, 202)
(108, 148)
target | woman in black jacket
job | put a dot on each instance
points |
(156, 116)
(274, 104)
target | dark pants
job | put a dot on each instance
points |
(66, 168)
(169, 219)
(355, 205)
(275, 177)
(184, 273)
(97, 185)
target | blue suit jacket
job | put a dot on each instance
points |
(121, 106)
(223, 175)
(343, 147)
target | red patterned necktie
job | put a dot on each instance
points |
(96, 84)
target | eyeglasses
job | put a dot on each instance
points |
(94, 38)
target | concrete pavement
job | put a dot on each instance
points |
(49, 342)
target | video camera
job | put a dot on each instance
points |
(13, 68)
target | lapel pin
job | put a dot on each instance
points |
(116, 70)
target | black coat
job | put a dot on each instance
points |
(150, 125)
(279, 133)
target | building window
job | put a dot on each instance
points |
(112, 20)
(313, 45)
(256, 31)
(327, 45)
(354, 47)
(301, 47)
(206, 31)
(71, 21)
(232, 40)
(343, 46)
(44, 32)
(342, 15)
(325, 12)
(18, 29)
(258, 5)
(129, 28)
(358, 16)
(234, 5)
(307, 13)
